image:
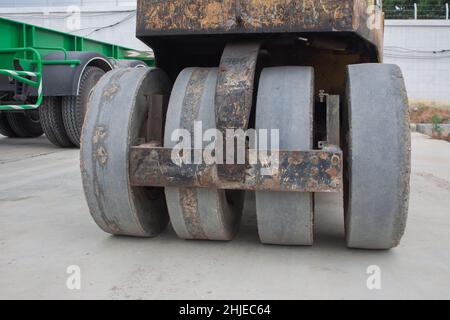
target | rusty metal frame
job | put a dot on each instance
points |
(333, 119)
(298, 171)
(234, 95)
(163, 18)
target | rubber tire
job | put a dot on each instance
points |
(52, 122)
(74, 107)
(5, 128)
(129, 64)
(378, 156)
(285, 102)
(116, 112)
(209, 214)
(23, 126)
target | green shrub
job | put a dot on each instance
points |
(437, 129)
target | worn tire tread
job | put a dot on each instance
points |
(73, 111)
(378, 156)
(52, 122)
(23, 127)
(5, 127)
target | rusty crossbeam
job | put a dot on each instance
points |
(298, 171)
(184, 16)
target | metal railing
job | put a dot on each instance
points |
(35, 65)
(417, 11)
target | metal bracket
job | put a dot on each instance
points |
(234, 95)
(322, 95)
(333, 120)
(294, 171)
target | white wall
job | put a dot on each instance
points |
(418, 47)
(97, 14)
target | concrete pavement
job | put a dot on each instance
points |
(45, 227)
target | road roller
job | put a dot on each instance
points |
(280, 98)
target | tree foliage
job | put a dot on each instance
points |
(404, 9)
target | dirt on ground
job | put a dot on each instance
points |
(440, 137)
(424, 111)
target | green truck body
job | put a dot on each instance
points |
(23, 51)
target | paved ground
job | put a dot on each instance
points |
(45, 227)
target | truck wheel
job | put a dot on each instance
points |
(199, 213)
(378, 156)
(286, 218)
(129, 64)
(74, 107)
(52, 122)
(5, 128)
(115, 120)
(25, 125)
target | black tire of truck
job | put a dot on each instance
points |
(5, 127)
(25, 125)
(74, 107)
(52, 123)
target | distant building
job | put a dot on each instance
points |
(107, 20)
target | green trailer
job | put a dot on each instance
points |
(46, 77)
